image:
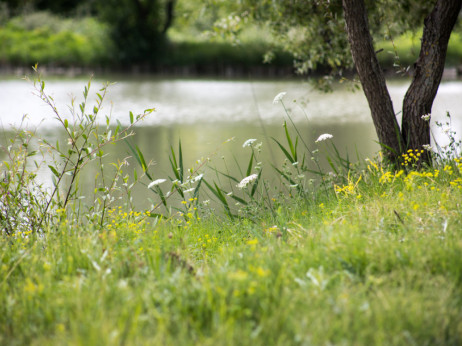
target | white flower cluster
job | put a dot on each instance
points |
(323, 137)
(426, 117)
(279, 97)
(427, 147)
(249, 142)
(246, 181)
(156, 182)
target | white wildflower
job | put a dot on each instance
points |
(323, 137)
(246, 181)
(427, 147)
(156, 182)
(279, 97)
(249, 142)
(426, 117)
(196, 179)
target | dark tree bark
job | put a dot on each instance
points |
(427, 76)
(372, 78)
(428, 72)
(169, 14)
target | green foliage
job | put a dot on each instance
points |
(314, 31)
(51, 40)
(402, 51)
(380, 269)
(29, 207)
(137, 28)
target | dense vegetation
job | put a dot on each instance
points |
(201, 38)
(366, 254)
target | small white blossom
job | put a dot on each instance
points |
(196, 179)
(246, 181)
(279, 97)
(189, 190)
(427, 147)
(426, 117)
(323, 137)
(249, 142)
(156, 182)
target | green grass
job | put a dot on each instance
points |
(378, 262)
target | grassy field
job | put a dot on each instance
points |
(375, 261)
(367, 254)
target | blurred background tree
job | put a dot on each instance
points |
(138, 27)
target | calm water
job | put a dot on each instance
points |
(205, 113)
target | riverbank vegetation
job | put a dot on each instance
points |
(367, 253)
(200, 39)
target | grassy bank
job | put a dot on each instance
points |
(378, 262)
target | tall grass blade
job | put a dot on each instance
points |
(255, 184)
(286, 153)
(219, 194)
(249, 167)
(293, 149)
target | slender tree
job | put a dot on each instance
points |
(337, 34)
(415, 132)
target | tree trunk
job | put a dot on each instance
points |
(428, 72)
(372, 78)
(169, 14)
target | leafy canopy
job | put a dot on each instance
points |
(314, 30)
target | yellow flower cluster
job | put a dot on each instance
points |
(207, 241)
(134, 221)
(349, 189)
(412, 157)
(420, 179)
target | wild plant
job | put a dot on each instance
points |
(451, 150)
(22, 199)
(33, 204)
(249, 193)
(184, 183)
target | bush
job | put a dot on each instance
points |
(48, 39)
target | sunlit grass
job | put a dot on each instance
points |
(368, 253)
(377, 263)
